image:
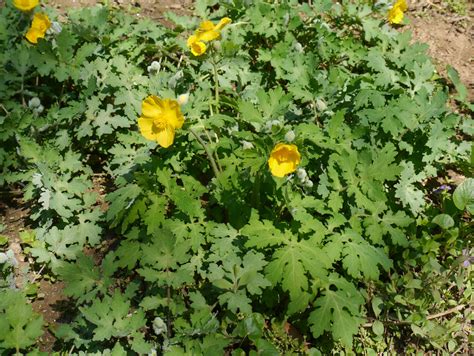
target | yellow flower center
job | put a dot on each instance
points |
(284, 155)
(159, 124)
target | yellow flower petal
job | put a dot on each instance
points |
(192, 39)
(198, 48)
(402, 4)
(208, 35)
(145, 125)
(39, 26)
(41, 22)
(222, 23)
(152, 107)
(172, 113)
(206, 26)
(33, 34)
(25, 5)
(395, 15)
(165, 137)
(284, 159)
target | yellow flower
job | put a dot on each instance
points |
(197, 47)
(284, 159)
(402, 4)
(395, 14)
(206, 32)
(160, 118)
(25, 5)
(38, 28)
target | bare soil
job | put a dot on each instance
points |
(13, 215)
(154, 9)
(450, 36)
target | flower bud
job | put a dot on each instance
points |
(34, 102)
(290, 136)
(11, 258)
(247, 145)
(174, 79)
(183, 99)
(39, 109)
(308, 183)
(217, 46)
(301, 173)
(3, 258)
(234, 128)
(298, 47)
(321, 105)
(273, 126)
(159, 326)
(56, 28)
(154, 67)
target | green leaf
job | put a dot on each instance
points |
(64, 204)
(378, 328)
(376, 62)
(120, 201)
(27, 237)
(273, 102)
(391, 224)
(250, 114)
(236, 302)
(155, 213)
(81, 278)
(163, 259)
(463, 196)
(291, 263)
(361, 259)
(19, 325)
(262, 233)
(444, 221)
(128, 254)
(250, 277)
(458, 84)
(88, 228)
(112, 317)
(337, 310)
(407, 192)
(286, 267)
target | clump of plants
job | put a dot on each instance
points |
(279, 178)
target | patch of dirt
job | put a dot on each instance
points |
(49, 304)
(14, 216)
(449, 35)
(154, 9)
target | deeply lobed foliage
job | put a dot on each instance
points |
(354, 253)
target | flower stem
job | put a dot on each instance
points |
(208, 153)
(216, 81)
